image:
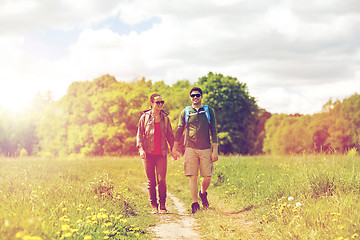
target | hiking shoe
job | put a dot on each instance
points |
(163, 208)
(154, 209)
(163, 211)
(195, 207)
(204, 201)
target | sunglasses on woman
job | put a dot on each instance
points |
(159, 102)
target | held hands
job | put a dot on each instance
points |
(142, 153)
(175, 154)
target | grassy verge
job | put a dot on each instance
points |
(299, 197)
(73, 199)
(303, 197)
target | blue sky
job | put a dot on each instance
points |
(294, 56)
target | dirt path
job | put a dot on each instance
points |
(177, 224)
(180, 224)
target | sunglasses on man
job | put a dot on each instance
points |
(195, 95)
(159, 102)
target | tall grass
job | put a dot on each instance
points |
(293, 197)
(72, 199)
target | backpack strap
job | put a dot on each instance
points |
(206, 108)
(188, 114)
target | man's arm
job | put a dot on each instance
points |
(180, 129)
(214, 137)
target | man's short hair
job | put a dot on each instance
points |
(196, 89)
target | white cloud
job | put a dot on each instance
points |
(293, 56)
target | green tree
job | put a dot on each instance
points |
(236, 112)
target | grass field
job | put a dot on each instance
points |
(294, 197)
(72, 199)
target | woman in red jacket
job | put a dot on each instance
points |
(153, 135)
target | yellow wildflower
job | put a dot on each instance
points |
(87, 238)
(65, 227)
(355, 235)
(108, 224)
(69, 234)
(27, 237)
(19, 235)
(65, 219)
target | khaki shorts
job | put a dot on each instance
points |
(196, 159)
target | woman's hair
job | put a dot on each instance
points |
(152, 97)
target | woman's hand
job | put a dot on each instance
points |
(142, 153)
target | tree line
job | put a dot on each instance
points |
(335, 130)
(100, 117)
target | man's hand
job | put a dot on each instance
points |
(214, 155)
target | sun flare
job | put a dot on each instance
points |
(15, 101)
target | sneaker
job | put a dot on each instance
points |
(195, 207)
(163, 211)
(154, 209)
(204, 201)
(163, 208)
